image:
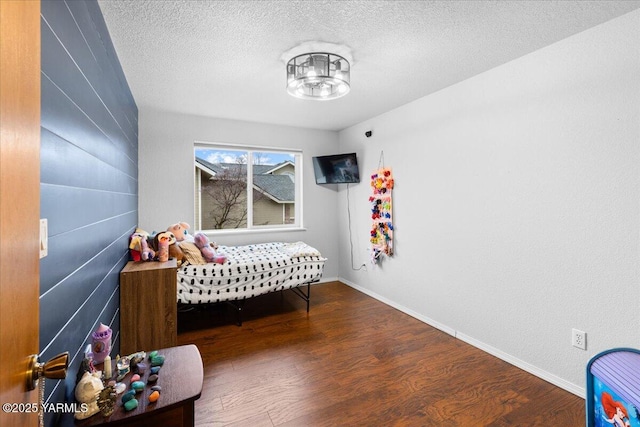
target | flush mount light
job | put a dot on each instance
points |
(318, 75)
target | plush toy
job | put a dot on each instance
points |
(162, 242)
(180, 231)
(208, 249)
(139, 246)
(174, 250)
(87, 395)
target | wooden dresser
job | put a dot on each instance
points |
(181, 378)
(148, 306)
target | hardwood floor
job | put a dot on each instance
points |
(354, 361)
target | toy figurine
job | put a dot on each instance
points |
(86, 393)
(101, 343)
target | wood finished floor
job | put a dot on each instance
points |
(354, 361)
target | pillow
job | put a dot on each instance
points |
(192, 253)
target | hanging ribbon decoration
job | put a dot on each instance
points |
(381, 212)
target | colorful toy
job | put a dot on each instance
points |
(101, 343)
(613, 389)
(208, 249)
(381, 235)
(174, 250)
(139, 246)
(161, 242)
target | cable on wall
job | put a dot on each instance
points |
(350, 237)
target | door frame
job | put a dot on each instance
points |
(19, 206)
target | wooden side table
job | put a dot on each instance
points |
(148, 306)
(181, 379)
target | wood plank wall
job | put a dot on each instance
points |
(89, 181)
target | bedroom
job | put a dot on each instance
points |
(516, 202)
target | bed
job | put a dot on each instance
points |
(249, 271)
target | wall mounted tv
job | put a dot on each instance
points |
(336, 169)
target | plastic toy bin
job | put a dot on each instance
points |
(613, 389)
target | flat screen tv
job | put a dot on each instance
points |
(336, 169)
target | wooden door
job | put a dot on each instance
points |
(19, 205)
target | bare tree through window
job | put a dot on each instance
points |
(225, 194)
(228, 194)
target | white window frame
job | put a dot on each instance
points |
(250, 228)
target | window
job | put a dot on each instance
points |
(247, 188)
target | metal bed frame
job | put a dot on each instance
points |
(238, 305)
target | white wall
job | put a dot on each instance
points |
(517, 204)
(166, 175)
(517, 200)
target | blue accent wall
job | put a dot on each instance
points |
(89, 183)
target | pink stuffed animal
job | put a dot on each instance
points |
(180, 231)
(208, 249)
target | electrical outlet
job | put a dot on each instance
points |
(579, 339)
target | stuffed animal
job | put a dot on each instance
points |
(180, 231)
(174, 250)
(162, 242)
(87, 395)
(139, 246)
(208, 249)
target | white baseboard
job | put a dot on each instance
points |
(527, 367)
(328, 279)
(428, 321)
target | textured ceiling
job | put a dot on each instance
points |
(224, 58)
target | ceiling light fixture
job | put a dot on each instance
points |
(318, 75)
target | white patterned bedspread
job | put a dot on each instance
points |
(250, 271)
